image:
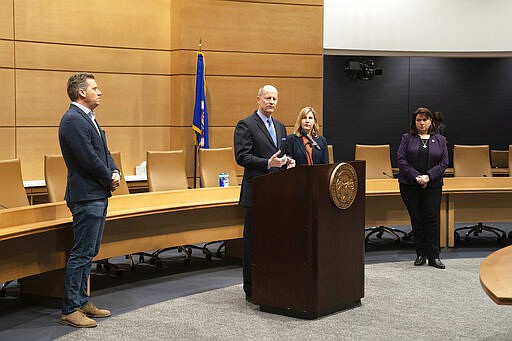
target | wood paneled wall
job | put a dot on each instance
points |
(143, 55)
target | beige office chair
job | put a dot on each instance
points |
(509, 159)
(499, 158)
(13, 192)
(330, 151)
(212, 162)
(378, 166)
(166, 172)
(123, 186)
(55, 176)
(474, 161)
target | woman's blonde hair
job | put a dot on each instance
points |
(297, 127)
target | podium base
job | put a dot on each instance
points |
(308, 315)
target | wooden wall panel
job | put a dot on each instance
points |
(8, 150)
(133, 142)
(6, 53)
(94, 59)
(143, 56)
(31, 146)
(248, 64)
(6, 19)
(128, 23)
(127, 100)
(229, 99)
(7, 113)
(41, 97)
(295, 2)
(246, 26)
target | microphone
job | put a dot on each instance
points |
(2, 206)
(389, 176)
(311, 141)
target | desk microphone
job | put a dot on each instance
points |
(389, 176)
(484, 175)
(311, 141)
(2, 206)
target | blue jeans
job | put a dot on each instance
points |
(88, 225)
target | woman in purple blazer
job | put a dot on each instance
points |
(422, 160)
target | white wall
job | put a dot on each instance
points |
(418, 25)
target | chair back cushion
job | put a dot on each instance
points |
(212, 162)
(166, 170)
(471, 160)
(123, 186)
(13, 192)
(55, 176)
(378, 160)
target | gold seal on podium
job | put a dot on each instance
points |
(343, 185)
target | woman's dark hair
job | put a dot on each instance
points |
(424, 112)
(438, 117)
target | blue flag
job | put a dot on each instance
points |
(200, 121)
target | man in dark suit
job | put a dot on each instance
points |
(257, 142)
(92, 175)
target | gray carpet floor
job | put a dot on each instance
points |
(402, 302)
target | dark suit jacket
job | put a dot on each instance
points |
(253, 147)
(90, 165)
(296, 149)
(437, 159)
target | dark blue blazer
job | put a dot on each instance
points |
(90, 165)
(253, 147)
(437, 159)
(297, 150)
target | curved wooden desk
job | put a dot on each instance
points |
(35, 239)
(496, 276)
(477, 199)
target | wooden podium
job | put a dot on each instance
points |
(307, 253)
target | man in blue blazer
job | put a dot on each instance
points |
(257, 142)
(92, 175)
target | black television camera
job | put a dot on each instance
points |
(361, 70)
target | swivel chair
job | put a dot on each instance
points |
(474, 161)
(166, 172)
(212, 162)
(378, 166)
(499, 158)
(13, 192)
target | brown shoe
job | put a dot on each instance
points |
(77, 319)
(91, 311)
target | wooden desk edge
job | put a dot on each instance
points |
(487, 268)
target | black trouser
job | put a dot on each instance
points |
(247, 250)
(424, 206)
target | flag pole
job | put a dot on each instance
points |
(196, 145)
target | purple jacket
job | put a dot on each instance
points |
(437, 159)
